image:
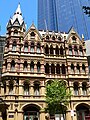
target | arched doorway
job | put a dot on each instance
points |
(31, 112)
(83, 112)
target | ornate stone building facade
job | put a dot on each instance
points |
(31, 59)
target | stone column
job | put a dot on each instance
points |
(42, 115)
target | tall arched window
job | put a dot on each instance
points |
(83, 68)
(4, 85)
(84, 88)
(13, 65)
(53, 38)
(51, 50)
(57, 50)
(59, 38)
(47, 37)
(36, 88)
(58, 69)
(7, 44)
(14, 46)
(74, 39)
(38, 48)
(70, 50)
(80, 51)
(32, 66)
(47, 68)
(52, 69)
(63, 69)
(38, 66)
(78, 68)
(25, 65)
(32, 47)
(72, 68)
(26, 88)
(5, 64)
(47, 50)
(61, 51)
(75, 50)
(76, 89)
(10, 87)
(26, 47)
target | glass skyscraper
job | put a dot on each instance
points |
(61, 15)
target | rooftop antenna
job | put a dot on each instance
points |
(45, 24)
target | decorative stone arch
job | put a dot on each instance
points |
(48, 80)
(84, 103)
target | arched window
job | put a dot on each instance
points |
(13, 65)
(32, 66)
(36, 88)
(32, 34)
(52, 69)
(4, 85)
(84, 88)
(15, 32)
(53, 38)
(47, 50)
(76, 89)
(51, 50)
(80, 51)
(63, 69)
(47, 37)
(32, 47)
(59, 38)
(7, 44)
(57, 50)
(47, 68)
(26, 88)
(25, 65)
(74, 39)
(5, 64)
(10, 87)
(75, 50)
(83, 68)
(26, 47)
(61, 51)
(70, 50)
(14, 46)
(38, 66)
(78, 68)
(58, 69)
(72, 68)
(38, 48)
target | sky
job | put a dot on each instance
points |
(8, 7)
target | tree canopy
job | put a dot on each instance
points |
(57, 96)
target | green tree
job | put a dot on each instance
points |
(57, 97)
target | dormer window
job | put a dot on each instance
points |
(38, 48)
(15, 32)
(32, 47)
(32, 34)
(14, 46)
(74, 39)
(26, 47)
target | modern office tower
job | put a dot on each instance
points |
(2, 44)
(61, 15)
(34, 58)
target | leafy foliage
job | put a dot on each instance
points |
(57, 96)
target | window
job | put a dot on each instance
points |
(75, 50)
(4, 87)
(63, 69)
(51, 50)
(52, 69)
(70, 50)
(38, 66)
(84, 88)
(57, 50)
(72, 68)
(78, 68)
(74, 39)
(11, 88)
(76, 90)
(36, 88)
(32, 34)
(53, 38)
(47, 68)
(32, 47)
(58, 69)
(5, 64)
(13, 65)
(26, 89)
(7, 44)
(15, 32)
(59, 38)
(83, 68)
(32, 66)
(14, 46)
(38, 48)
(47, 37)
(61, 51)
(26, 47)
(25, 65)
(80, 51)
(46, 49)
